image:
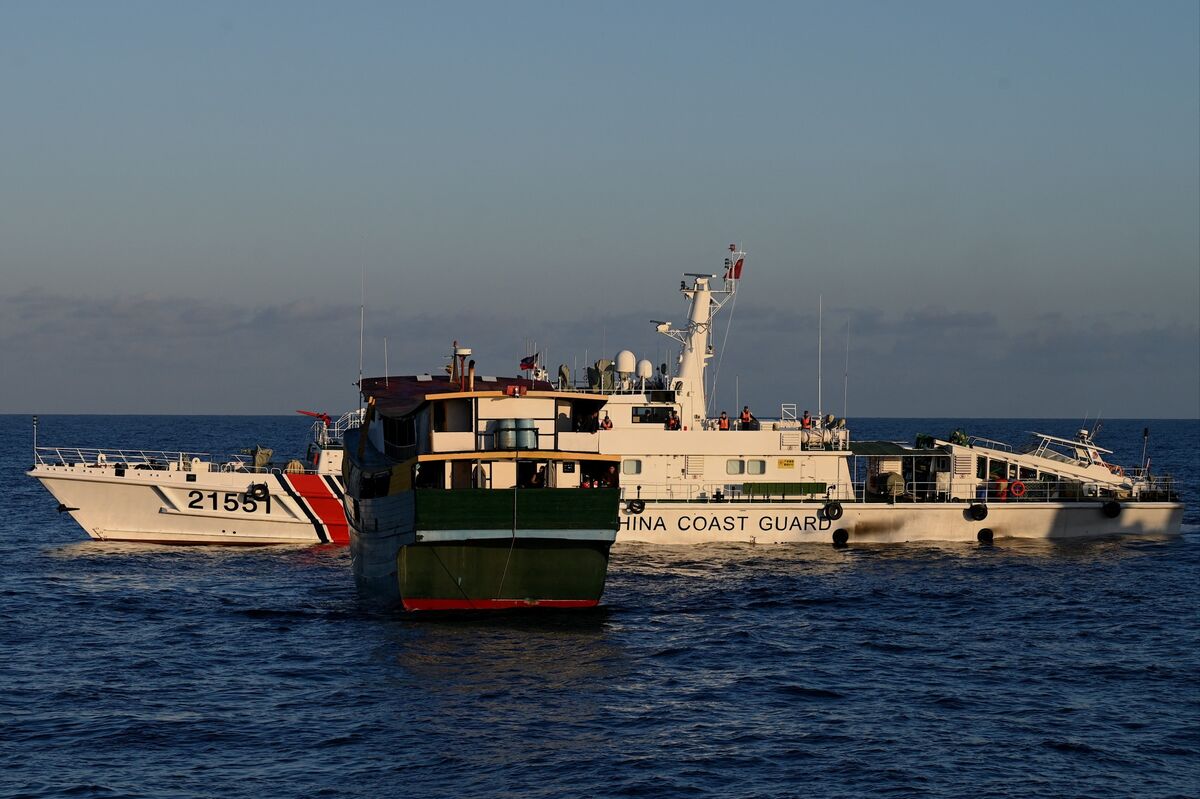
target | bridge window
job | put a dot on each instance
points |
(631, 466)
(398, 434)
(754, 466)
(648, 415)
(735, 466)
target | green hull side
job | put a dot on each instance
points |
(521, 569)
(534, 508)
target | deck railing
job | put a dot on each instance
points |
(987, 443)
(330, 437)
(145, 459)
(1158, 489)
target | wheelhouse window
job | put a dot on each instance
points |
(651, 415)
(533, 474)
(452, 416)
(631, 466)
(399, 434)
(429, 475)
(755, 466)
(374, 485)
(735, 466)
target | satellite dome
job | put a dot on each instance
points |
(625, 362)
(645, 369)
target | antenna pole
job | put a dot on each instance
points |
(820, 331)
(35, 438)
(1145, 441)
(362, 318)
(385, 362)
(846, 374)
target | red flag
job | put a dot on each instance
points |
(529, 362)
(734, 272)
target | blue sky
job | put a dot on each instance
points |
(1003, 200)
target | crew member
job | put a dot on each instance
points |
(673, 421)
(723, 422)
(806, 421)
(606, 424)
(747, 418)
(999, 486)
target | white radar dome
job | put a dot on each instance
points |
(625, 362)
(645, 369)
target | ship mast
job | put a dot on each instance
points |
(696, 336)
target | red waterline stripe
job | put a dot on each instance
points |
(324, 503)
(495, 604)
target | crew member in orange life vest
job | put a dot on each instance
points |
(747, 417)
(723, 422)
(607, 423)
(673, 421)
(806, 421)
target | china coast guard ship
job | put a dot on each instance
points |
(200, 498)
(688, 477)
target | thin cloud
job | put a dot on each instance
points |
(163, 354)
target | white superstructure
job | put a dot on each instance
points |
(198, 498)
(800, 479)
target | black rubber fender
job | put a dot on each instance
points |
(1111, 509)
(833, 511)
(257, 492)
(978, 511)
(985, 535)
(635, 506)
(840, 537)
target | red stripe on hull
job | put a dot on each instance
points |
(324, 503)
(495, 604)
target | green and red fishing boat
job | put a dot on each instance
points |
(479, 493)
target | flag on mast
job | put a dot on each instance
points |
(529, 362)
(733, 269)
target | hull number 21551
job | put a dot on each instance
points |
(229, 501)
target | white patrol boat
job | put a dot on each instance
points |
(198, 498)
(688, 477)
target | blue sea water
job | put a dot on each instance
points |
(1020, 669)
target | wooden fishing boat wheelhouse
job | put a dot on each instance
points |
(465, 493)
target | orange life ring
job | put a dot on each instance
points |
(1115, 469)
(1017, 489)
